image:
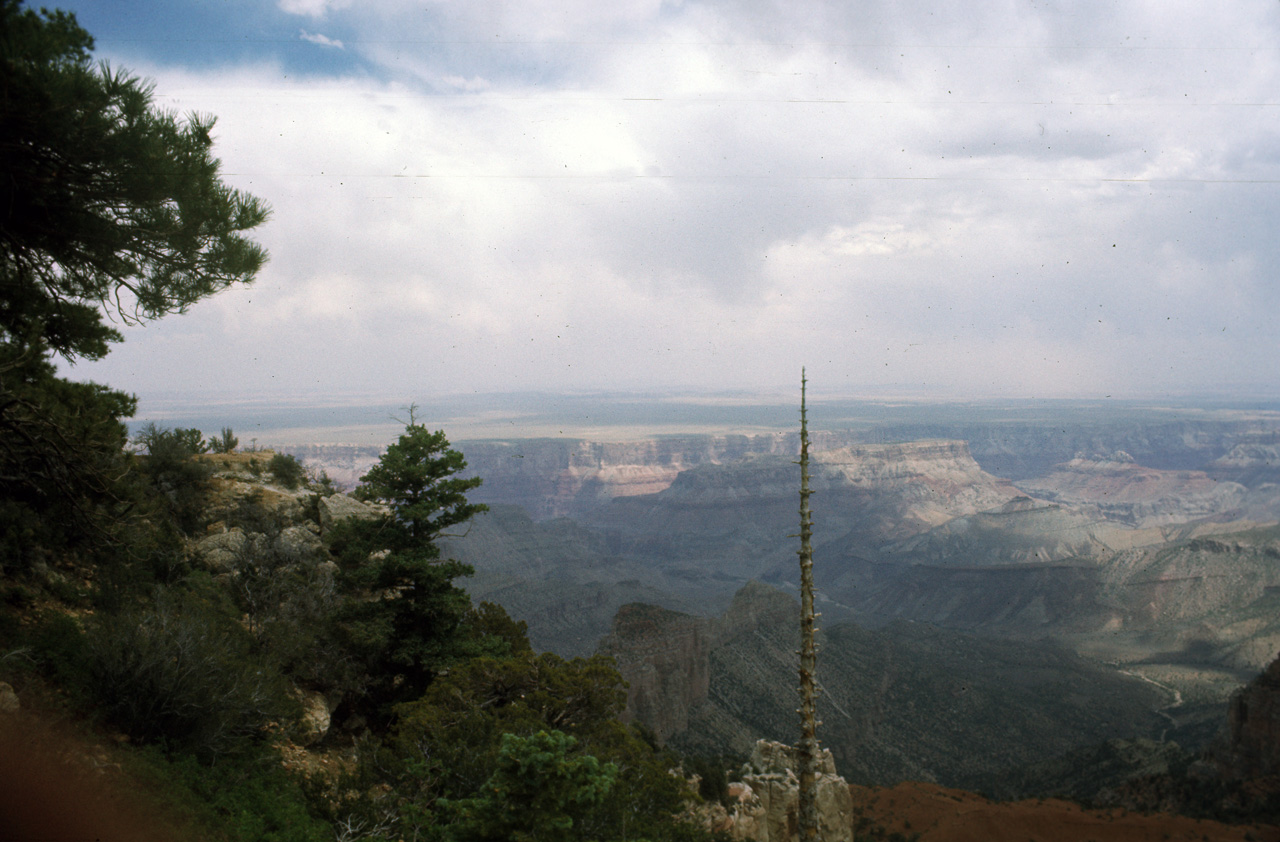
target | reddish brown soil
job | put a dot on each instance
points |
(56, 786)
(947, 815)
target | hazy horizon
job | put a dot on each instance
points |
(618, 416)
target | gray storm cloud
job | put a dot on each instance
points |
(1011, 199)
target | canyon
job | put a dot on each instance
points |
(996, 591)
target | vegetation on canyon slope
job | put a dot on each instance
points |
(198, 685)
(453, 726)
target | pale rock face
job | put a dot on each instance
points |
(314, 723)
(299, 542)
(1129, 493)
(8, 699)
(1252, 464)
(558, 478)
(222, 552)
(769, 798)
(342, 507)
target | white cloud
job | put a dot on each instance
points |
(322, 40)
(312, 8)
(1003, 201)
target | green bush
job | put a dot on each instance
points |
(713, 780)
(179, 478)
(541, 789)
(163, 443)
(287, 470)
(225, 443)
(182, 673)
(250, 799)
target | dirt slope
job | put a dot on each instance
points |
(948, 815)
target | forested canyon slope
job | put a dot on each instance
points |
(969, 573)
(1162, 577)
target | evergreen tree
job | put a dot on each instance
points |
(418, 478)
(107, 201)
(540, 789)
(414, 624)
(107, 205)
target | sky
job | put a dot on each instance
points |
(1016, 198)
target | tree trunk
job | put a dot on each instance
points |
(807, 748)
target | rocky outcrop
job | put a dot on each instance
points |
(1018, 533)
(339, 507)
(314, 723)
(737, 518)
(768, 799)
(300, 543)
(569, 478)
(1250, 744)
(663, 657)
(1122, 490)
(931, 481)
(225, 552)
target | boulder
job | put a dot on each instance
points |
(8, 699)
(315, 721)
(222, 552)
(768, 800)
(340, 507)
(297, 543)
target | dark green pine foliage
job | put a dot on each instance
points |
(107, 205)
(478, 747)
(540, 790)
(413, 623)
(418, 477)
(107, 201)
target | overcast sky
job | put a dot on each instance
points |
(1010, 199)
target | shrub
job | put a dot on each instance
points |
(287, 470)
(174, 473)
(166, 444)
(243, 799)
(225, 443)
(541, 789)
(182, 673)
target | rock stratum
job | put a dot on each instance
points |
(1249, 746)
(909, 702)
(1170, 572)
(1123, 491)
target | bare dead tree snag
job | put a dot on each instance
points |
(807, 748)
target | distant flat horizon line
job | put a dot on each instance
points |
(627, 416)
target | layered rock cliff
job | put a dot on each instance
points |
(566, 478)
(735, 518)
(1251, 464)
(1122, 490)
